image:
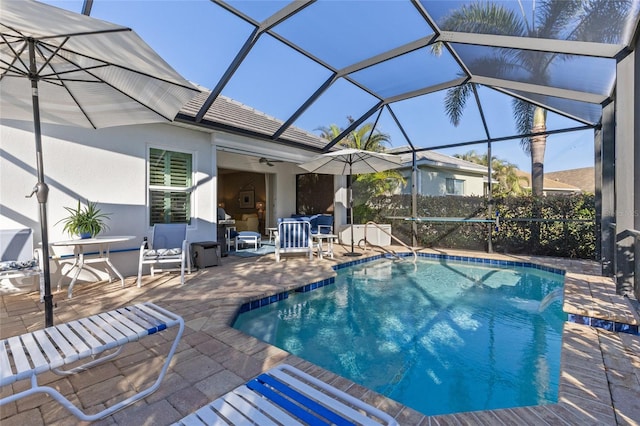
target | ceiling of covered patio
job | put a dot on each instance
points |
(311, 64)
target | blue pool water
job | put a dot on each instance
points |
(440, 336)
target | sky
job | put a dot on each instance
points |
(200, 39)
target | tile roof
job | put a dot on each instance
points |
(232, 116)
(583, 178)
(549, 184)
(437, 159)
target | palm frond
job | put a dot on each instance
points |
(486, 18)
(455, 101)
(523, 115)
(505, 63)
(600, 21)
(437, 48)
(553, 17)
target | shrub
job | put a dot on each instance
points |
(566, 223)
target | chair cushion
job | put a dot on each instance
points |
(248, 234)
(163, 252)
(293, 235)
(324, 222)
(13, 265)
(315, 220)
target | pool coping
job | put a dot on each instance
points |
(613, 319)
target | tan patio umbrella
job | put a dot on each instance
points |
(348, 162)
(65, 68)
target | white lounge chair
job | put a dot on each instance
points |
(168, 245)
(25, 357)
(293, 236)
(287, 396)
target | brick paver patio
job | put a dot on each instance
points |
(600, 369)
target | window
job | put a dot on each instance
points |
(455, 186)
(169, 186)
(314, 193)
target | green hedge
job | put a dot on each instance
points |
(562, 238)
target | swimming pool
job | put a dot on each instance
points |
(439, 336)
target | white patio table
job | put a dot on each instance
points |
(329, 238)
(79, 246)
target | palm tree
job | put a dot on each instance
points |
(367, 139)
(563, 19)
(360, 138)
(329, 132)
(505, 173)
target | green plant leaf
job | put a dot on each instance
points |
(87, 220)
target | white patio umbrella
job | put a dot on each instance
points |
(65, 68)
(351, 161)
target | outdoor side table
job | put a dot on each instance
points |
(272, 234)
(321, 249)
(224, 226)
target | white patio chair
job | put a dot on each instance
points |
(230, 236)
(18, 259)
(294, 236)
(168, 245)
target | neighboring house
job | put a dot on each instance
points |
(550, 187)
(440, 174)
(583, 178)
(153, 173)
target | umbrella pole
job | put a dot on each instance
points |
(351, 217)
(41, 189)
(352, 253)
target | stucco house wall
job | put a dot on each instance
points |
(432, 181)
(109, 166)
(433, 170)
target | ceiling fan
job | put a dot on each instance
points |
(268, 162)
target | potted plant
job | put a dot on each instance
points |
(85, 221)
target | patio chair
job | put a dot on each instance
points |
(285, 395)
(230, 236)
(294, 236)
(168, 245)
(18, 259)
(324, 224)
(320, 223)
